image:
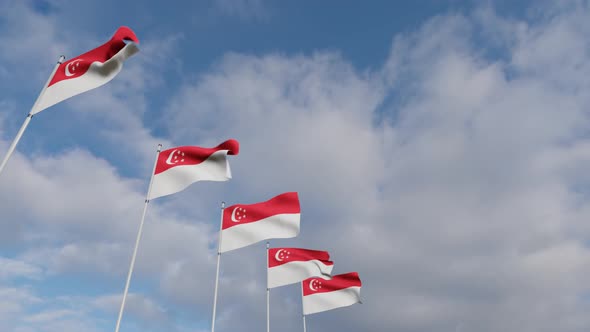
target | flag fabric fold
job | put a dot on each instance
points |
(89, 70)
(243, 225)
(179, 167)
(291, 265)
(322, 295)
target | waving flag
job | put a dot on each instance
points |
(322, 295)
(290, 265)
(179, 167)
(244, 225)
(89, 70)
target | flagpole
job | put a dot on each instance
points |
(29, 117)
(217, 274)
(304, 324)
(137, 242)
(267, 292)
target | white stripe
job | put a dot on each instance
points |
(97, 75)
(279, 226)
(319, 302)
(297, 271)
(175, 179)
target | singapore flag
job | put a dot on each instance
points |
(244, 225)
(179, 167)
(321, 295)
(89, 70)
(291, 265)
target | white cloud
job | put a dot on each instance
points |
(448, 208)
(14, 303)
(11, 268)
(143, 308)
(32, 37)
(453, 179)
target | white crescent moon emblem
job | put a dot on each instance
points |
(169, 160)
(233, 215)
(68, 72)
(311, 286)
(278, 255)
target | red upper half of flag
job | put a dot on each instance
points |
(342, 281)
(287, 203)
(280, 256)
(192, 155)
(79, 65)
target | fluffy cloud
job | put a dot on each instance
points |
(14, 268)
(439, 174)
(452, 179)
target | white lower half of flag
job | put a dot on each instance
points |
(325, 301)
(279, 226)
(175, 179)
(98, 74)
(297, 271)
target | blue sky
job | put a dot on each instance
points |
(439, 148)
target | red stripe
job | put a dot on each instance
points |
(287, 203)
(79, 65)
(192, 155)
(318, 285)
(287, 255)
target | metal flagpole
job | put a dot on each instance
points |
(137, 242)
(304, 324)
(29, 117)
(267, 292)
(217, 274)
